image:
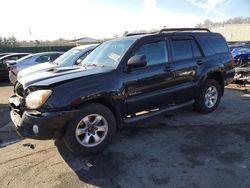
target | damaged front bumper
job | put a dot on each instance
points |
(36, 125)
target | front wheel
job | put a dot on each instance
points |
(209, 97)
(90, 130)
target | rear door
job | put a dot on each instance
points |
(186, 61)
(146, 87)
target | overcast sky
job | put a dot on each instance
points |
(70, 19)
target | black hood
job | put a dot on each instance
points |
(57, 75)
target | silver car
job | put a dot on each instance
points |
(70, 58)
(27, 61)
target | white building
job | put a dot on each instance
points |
(233, 32)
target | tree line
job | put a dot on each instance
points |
(9, 42)
(237, 20)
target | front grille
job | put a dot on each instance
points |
(18, 89)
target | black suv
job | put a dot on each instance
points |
(122, 81)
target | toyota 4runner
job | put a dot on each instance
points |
(123, 80)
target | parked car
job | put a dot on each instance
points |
(70, 58)
(122, 81)
(245, 44)
(3, 67)
(4, 54)
(32, 59)
(242, 61)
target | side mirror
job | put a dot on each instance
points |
(137, 61)
(78, 61)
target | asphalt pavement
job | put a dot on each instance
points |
(179, 149)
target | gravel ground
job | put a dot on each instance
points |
(178, 149)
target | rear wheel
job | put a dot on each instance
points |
(90, 130)
(209, 97)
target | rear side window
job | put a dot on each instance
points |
(182, 49)
(156, 52)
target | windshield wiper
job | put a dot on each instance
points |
(92, 65)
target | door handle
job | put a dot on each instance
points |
(200, 62)
(168, 69)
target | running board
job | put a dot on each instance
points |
(155, 113)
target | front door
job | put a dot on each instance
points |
(146, 87)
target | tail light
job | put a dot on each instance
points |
(232, 61)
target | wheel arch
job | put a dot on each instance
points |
(218, 76)
(111, 105)
(215, 75)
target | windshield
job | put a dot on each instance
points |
(68, 57)
(108, 54)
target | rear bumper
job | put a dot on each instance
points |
(229, 77)
(50, 125)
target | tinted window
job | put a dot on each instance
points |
(182, 49)
(212, 44)
(218, 44)
(156, 53)
(196, 50)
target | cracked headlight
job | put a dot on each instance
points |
(37, 98)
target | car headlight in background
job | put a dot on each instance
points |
(37, 98)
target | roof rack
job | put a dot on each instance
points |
(132, 34)
(185, 29)
(143, 33)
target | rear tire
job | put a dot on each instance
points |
(90, 130)
(209, 97)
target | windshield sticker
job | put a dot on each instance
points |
(114, 56)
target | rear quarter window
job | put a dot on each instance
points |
(214, 44)
(218, 44)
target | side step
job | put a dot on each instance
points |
(155, 113)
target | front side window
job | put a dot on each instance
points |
(43, 59)
(156, 53)
(109, 53)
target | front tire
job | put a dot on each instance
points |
(90, 130)
(209, 97)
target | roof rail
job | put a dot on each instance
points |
(184, 29)
(132, 34)
(143, 33)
